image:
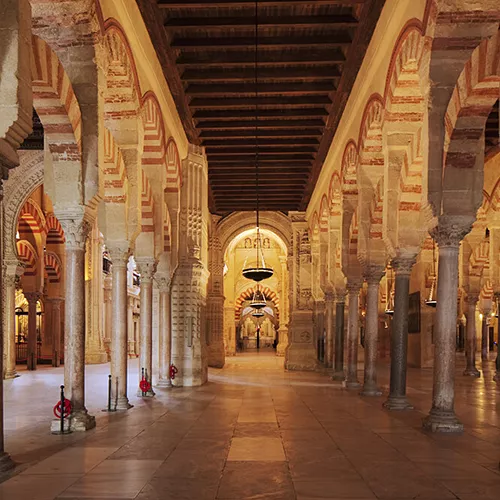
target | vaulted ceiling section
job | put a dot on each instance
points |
(308, 57)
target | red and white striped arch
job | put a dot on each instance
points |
(349, 170)
(55, 232)
(324, 213)
(480, 258)
(269, 294)
(115, 179)
(166, 231)
(174, 170)
(370, 138)
(28, 256)
(147, 211)
(53, 267)
(376, 211)
(55, 102)
(31, 219)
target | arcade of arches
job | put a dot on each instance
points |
(128, 215)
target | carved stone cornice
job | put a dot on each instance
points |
(451, 230)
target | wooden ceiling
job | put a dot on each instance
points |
(308, 57)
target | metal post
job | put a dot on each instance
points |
(62, 409)
(109, 392)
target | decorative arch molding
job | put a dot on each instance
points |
(22, 181)
(236, 223)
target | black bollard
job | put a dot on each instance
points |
(62, 409)
(109, 392)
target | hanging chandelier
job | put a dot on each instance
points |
(258, 300)
(431, 299)
(260, 271)
(389, 308)
(258, 313)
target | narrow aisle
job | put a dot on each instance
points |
(258, 432)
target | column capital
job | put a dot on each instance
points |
(146, 268)
(403, 265)
(472, 298)
(329, 296)
(354, 285)
(55, 301)
(119, 251)
(373, 274)
(76, 229)
(451, 230)
(32, 297)
(163, 281)
(340, 295)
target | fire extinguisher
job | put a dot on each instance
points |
(173, 371)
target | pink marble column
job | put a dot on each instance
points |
(338, 362)
(442, 416)
(56, 330)
(484, 335)
(470, 368)
(119, 342)
(165, 329)
(146, 268)
(32, 298)
(9, 283)
(75, 232)
(373, 277)
(329, 327)
(351, 380)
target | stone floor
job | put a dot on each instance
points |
(253, 432)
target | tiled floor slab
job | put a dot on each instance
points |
(259, 449)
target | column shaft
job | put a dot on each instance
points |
(371, 339)
(165, 336)
(56, 331)
(330, 328)
(399, 342)
(442, 416)
(32, 298)
(351, 381)
(338, 365)
(470, 352)
(484, 336)
(119, 341)
(10, 327)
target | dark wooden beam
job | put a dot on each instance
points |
(268, 157)
(222, 22)
(267, 58)
(222, 178)
(261, 124)
(278, 141)
(332, 40)
(284, 132)
(265, 166)
(231, 114)
(262, 150)
(296, 88)
(310, 73)
(195, 4)
(249, 102)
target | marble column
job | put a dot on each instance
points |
(484, 335)
(9, 339)
(165, 328)
(351, 380)
(373, 278)
(442, 416)
(75, 231)
(497, 360)
(284, 309)
(32, 298)
(338, 364)
(108, 313)
(119, 343)
(397, 399)
(329, 327)
(56, 330)
(470, 354)
(146, 268)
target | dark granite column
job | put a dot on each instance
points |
(351, 380)
(338, 364)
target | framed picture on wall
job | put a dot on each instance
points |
(414, 313)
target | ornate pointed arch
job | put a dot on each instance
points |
(31, 219)
(28, 256)
(55, 232)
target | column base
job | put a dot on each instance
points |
(339, 376)
(12, 374)
(164, 384)
(442, 421)
(149, 394)
(301, 357)
(351, 384)
(370, 391)
(6, 463)
(122, 404)
(397, 403)
(95, 358)
(472, 372)
(81, 421)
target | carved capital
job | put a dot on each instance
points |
(373, 274)
(329, 297)
(451, 230)
(472, 298)
(119, 252)
(147, 269)
(163, 282)
(340, 295)
(75, 231)
(354, 286)
(403, 265)
(32, 297)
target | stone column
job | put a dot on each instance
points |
(397, 399)
(75, 232)
(131, 348)
(119, 343)
(10, 280)
(338, 365)
(32, 298)
(484, 335)
(108, 313)
(351, 380)
(147, 268)
(165, 328)
(329, 327)
(284, 309)
(442, 416)
(56, 330)
(470, 354)
(373, 277)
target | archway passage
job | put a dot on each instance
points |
(243, 330)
